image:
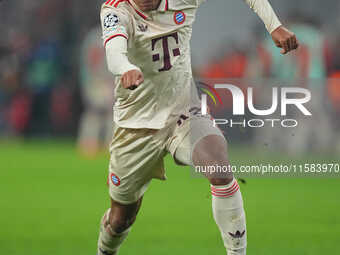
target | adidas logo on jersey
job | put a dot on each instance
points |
(142, 27)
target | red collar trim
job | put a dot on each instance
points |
(140, 13)
(163, 6)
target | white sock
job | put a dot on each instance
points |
(109, 242)
(230, 218)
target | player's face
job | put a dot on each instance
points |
(147, 5)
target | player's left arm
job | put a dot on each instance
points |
(282, 37)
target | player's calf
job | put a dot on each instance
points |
(115, 226)
(227, 200)
(228, 212)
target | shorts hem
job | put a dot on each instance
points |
(119, 199)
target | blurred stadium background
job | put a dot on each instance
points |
(55, 124)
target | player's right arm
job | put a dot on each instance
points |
(115, 27)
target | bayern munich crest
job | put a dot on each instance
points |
(179, 17)
(115, 179)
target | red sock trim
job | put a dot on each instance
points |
(226, 192)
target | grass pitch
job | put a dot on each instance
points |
(52, 201)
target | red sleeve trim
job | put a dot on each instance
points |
(114, 3)
(166, 5)
(110, 2)
(118, 2)
(113, 36)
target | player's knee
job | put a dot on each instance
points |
(120, 223)
(212, 148)
(211, 154)
(123, 216)
(211, 157)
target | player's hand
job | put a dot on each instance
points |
(285, 39)
(132, 79)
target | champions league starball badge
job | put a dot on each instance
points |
(111, 21)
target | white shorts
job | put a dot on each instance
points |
(137, 154)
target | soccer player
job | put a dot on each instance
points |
(157, 112)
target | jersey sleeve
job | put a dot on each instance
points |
(116, 55)
(114, 23)
(265, 11)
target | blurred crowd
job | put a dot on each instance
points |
(39, 65)
(53, 78)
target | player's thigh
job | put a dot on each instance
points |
(203, 146)
(197, 136)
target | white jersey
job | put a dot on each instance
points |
(159, 44)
